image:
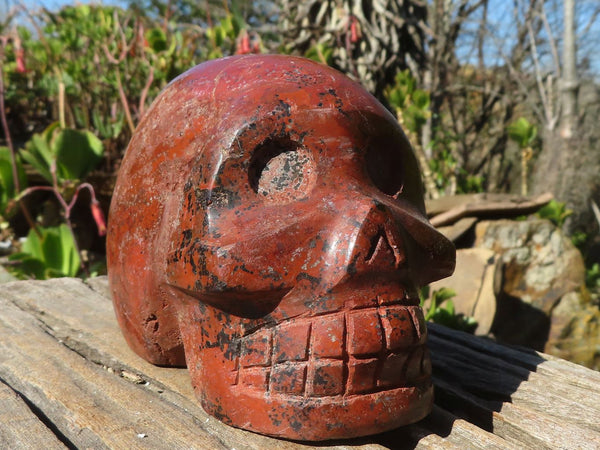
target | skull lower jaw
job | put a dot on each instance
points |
(317, 419)
(347, 373)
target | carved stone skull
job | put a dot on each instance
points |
(268, 230)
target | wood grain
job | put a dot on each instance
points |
(20, 427)
(68, 379)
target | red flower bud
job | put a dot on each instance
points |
(354, 32)
(98, 217)
(243, 43)
(20, 57)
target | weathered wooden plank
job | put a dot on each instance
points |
(544, 371)
(81, 318)
(458, 432)
(515, 392)
(534, 429)
(20, 428)
(90, 406)
(558, 400)
(475, 379)
(458, 229)
(451, 209)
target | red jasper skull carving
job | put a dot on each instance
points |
(268, 230)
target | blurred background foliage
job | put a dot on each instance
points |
(493, 99)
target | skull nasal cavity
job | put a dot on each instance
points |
(382, 251)
(281, 170)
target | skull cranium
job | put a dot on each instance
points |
(268, 229)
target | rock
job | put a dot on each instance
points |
(579, 322)
(473, 282)
(539, 286)
(524, 282)
(6, 277)
(540, 264)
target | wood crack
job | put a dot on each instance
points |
(41, 416)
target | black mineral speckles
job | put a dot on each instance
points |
(212, 283)
(217, 412)
(275, 421)
(351, 269)
(302, 135)
(218, 198)
(243, 268)
(191, 254)
(282, 109)
(221, 341)
(314, 281)
(321, 379)
(291, 175)
(338, 103)
(202, 197)
(286, 108)
(270, 274)
(303, 80)
(296, 425)
(232, 350)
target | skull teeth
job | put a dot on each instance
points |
(343, 353)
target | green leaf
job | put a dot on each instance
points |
(52, 255)
(396, 98)
(33, 245)
(522, 132)
(555, 212)
(37, 163)
(24, 32)
(237, 25)
(227, 26)
(450, 307)
(39, 153)
(414, 118)
(405, 81)
(70, 261)
(41, 144)
(444, 294)
(216, 35)
(320, 53)
(421, 99)
(7, 182)
(77, 153)
(157, 39)
(52, 248)
(28, 267)
(592, 276)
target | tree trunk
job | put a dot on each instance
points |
(569, 163)
(569, 83)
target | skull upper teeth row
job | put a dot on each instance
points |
(343, 353)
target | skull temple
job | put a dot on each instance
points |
(268, 231)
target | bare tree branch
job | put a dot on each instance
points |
(551, 39)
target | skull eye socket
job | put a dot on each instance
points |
(281, 170)
(385, 168)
